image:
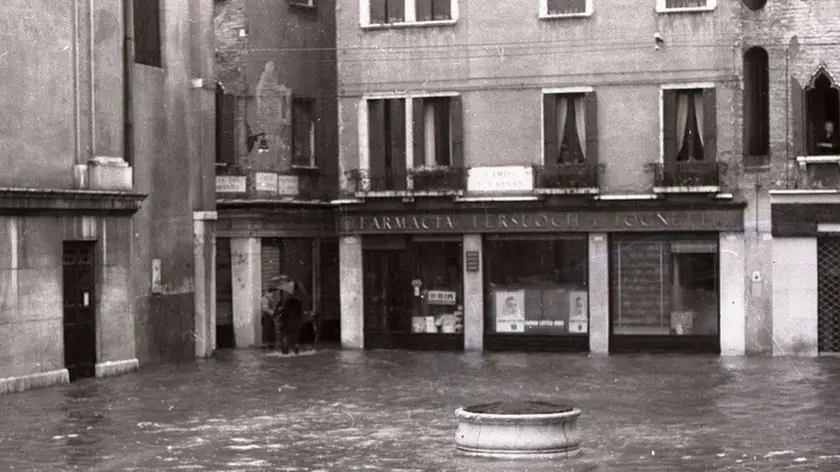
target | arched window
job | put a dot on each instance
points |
(754, 4)
(756, 107)
(822, 115)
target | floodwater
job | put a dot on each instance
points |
(333, 410)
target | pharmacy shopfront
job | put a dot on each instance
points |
(505, 277)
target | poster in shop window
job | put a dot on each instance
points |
(510, 311)
(578, 312)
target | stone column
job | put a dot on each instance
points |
(599, 293)
(795, 328)
(352, 296)
(733, 319)
(204, 268)
(473, 297)
(246, 271)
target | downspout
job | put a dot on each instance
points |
(128, 84)
(787, 118)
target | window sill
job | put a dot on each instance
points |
(407, 193)
(685, 10)
(688, 189)
(307, 169)
(567, 191)
(560, 16)
(410, 24)
(303, 6)
(821, 159)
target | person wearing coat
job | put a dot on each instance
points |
(288, 318)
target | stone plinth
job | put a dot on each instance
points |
(512, 430)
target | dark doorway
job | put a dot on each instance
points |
(79, 276)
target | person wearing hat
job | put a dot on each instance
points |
(268, 305)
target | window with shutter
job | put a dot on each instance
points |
(147, 46)
(225, 127)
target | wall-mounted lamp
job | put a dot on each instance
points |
(252, 139)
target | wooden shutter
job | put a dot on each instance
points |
(378, 12)
(271, 258)
(424, 10)
(797, 99)
(376, 143)
(709, 125)
(550, 129)
(419, 130)
(669, 125)
(396, 11)
(591, 120)
(225, 127)
(441, 9)
(396, 109)
(443, 138)
(456, 130)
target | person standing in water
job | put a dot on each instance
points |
(289, 317)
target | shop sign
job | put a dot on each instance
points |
(500, 179)
(231, 184)
(288, 185)
(606, 221)
(266, 182)
(441, 297)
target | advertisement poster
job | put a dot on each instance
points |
(578, 312)
(510, 311)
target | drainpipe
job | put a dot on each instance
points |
(787, 119)
(128, 84)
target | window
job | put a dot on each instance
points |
(756, 107)
(537, 284)
(303, 132)
(685, 5)
(570, 128)
(412, 285)
(561, 8)
(664, 286)
(755, 4)
(689, 125)
(436, 127)
(822, 114)
(225, 127)
(147, 46)
(388, 12)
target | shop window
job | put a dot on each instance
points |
(689, 125)
(147, 44)
(756, 107)
(664, 287)
(537, 285)
(570, 128)
(412, 286)
(225, 127)
(303, 132)
(822, 112)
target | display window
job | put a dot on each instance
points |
(413, 286)
(665, 286)
(537, 285)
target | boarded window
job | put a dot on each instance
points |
(756, 107)
(147, 45)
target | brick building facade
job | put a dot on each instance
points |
(276, 161)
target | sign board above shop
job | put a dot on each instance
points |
(544, 222)
(501, 179)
